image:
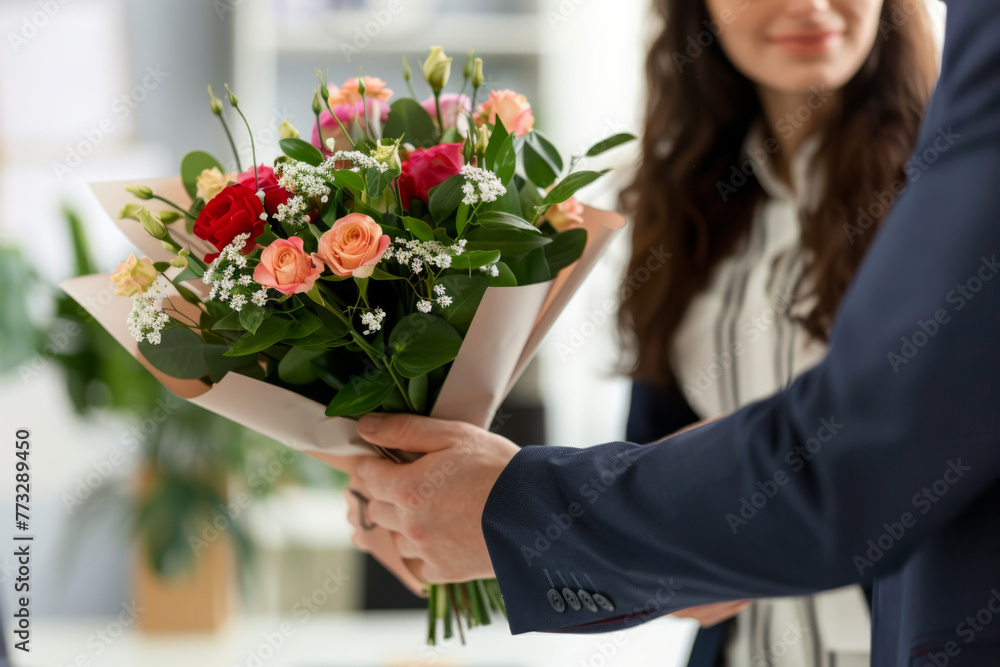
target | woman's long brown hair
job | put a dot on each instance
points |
(685, 199)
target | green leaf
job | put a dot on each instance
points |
(251, 316)
(296, 366)
(301, 150)
(569, 185)
(545, 147)
(475, 259)
(451, 136)
(228, 322)
(182, 354)
(506, 277)
(466, 293)
(497, 138)
(351, 180)
(332, 324)
(421, 342)
(501, 220)
(417, 390)
(506, 160)
(609, 143)
(510, 242)
(566, 248)
(538, 168)
(192, 165)
(161, 266)
(530, 198)
(411, 122)
(271, 331)
(461, 218)
(446, 197)
(379, 274)
(532, 268)
(305, 324)
(420, 229)
(362, 394)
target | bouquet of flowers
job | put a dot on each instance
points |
(399, 261)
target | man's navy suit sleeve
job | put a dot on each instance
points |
(782, 497)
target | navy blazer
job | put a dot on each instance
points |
(880, 464)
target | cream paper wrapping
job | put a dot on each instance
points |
(508, 328)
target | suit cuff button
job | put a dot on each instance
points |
(603, 602)
(556, 600)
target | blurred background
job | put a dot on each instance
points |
(164, 534)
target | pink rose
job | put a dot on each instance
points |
(286, 267)
(513, 109)
(348, 114)
(353, 246)
(427, 167)
(453, 106)
(265, 178)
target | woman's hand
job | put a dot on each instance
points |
(715, 613)
(432, 507)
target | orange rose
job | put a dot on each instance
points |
(133, 276)
(565, 215)
(348, 93)
(353, 246)
(286, 267)
(513, 109)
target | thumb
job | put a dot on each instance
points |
(412, 433)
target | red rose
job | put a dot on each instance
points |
(427, 167)
(234, 211)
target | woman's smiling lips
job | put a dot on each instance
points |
(808, 43)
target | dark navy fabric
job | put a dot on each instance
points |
(881, 464)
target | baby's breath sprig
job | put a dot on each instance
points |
(231, 279)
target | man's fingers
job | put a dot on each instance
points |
(386, 515)
(405, 546)
(412, 433)
(379, 479)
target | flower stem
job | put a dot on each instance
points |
(253, 147)
(232, 144)
(342, 128)
(170, 203)
(437, 108)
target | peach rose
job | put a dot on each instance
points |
(513, 109)
(565, 215)
(353, 246)
(286, 267)
(133, 276)
(348, 93)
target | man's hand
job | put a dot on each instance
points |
(433, 507)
